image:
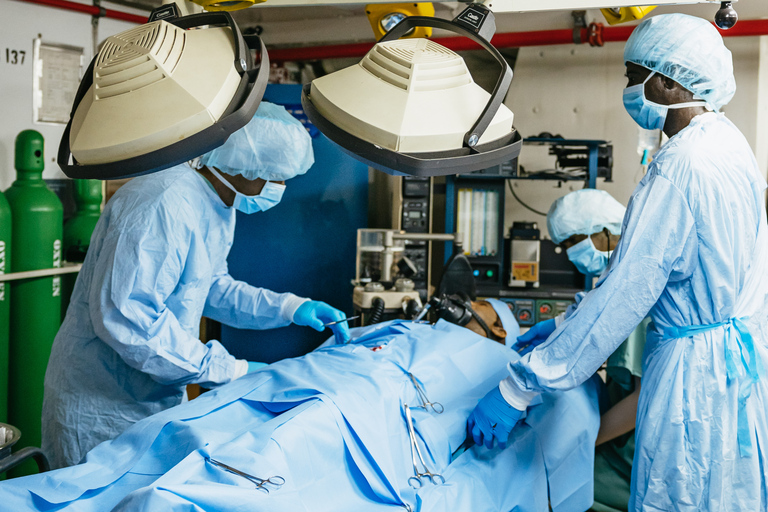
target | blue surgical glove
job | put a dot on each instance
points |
(314, 314)
(535, 336)
(493, 418)
(252, 367)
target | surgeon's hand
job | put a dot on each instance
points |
(252, 366)
(493, 418)
(535, 336)
(315, 314)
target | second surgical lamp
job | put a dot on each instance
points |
(411, 105)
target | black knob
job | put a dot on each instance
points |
(726, 17)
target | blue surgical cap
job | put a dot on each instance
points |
(508, 320)
(584, 212)
(688, 50)
(273, 146)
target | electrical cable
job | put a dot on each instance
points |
(509, 184)
(377, 308)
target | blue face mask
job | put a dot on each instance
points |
(270, 195)
(647, 114)
(587, 258)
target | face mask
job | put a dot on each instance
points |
(587, 258)
(647, 114)
(270, 195)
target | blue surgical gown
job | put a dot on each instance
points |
(693, 251)
(129, 343)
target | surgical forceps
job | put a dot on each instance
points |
(261, 484)
(349, 318)
(425, 403)
(416, 480)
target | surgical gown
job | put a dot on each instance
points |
(693, 251)
(129, 343)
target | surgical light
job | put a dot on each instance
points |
(616, 15)
(226, 5)
(383, 17)
(390, 20)
(163, 93)
(411, 106)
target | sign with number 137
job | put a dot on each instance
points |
(14, 56)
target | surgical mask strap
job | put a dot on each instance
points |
(227, 183)
(674, 106)
(222, 180)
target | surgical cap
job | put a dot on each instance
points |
(688, 50)
(508, 320)
(584, 212)
(273, 146)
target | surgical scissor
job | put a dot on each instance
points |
(416, 480)
(260, 483)
(425, 403)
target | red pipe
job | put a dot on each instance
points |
(90, 9)
(596, 34)
(505, 40)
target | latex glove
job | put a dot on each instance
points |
(493, 418)
(252, 367)
(314, 314)
(535, 336)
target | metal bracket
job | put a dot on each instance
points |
(579, 22)
(102, 12)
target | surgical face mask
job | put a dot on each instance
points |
(269, 196)
(587, 258)
(646, 113)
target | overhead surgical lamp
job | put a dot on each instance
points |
(161, 94)
(411, 106)
(616, 15)
(226, 5)
(384, 17)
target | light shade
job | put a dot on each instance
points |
(411, 105)
(146, 102)
(410, 96)
(150, 76)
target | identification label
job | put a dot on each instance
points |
(528, 272)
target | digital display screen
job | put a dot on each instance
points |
(414, 214)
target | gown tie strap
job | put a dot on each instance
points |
(739, 347)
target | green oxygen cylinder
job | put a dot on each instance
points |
(5, 301)
(78, 230)
(35, 302)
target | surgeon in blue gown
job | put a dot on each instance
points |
(694, 255)
(157, 263)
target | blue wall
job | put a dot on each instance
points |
(304, 245)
